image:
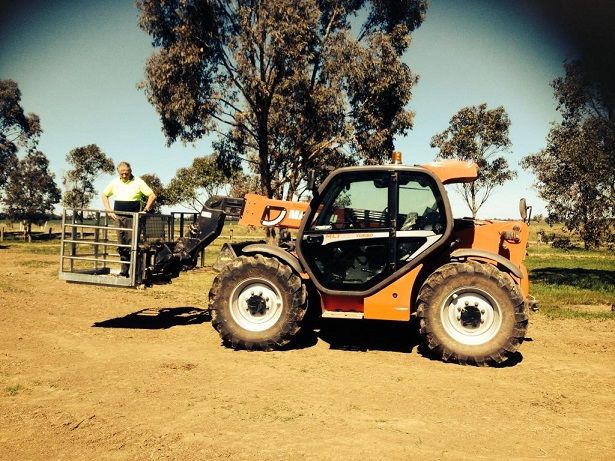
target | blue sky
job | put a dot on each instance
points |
(78, 64)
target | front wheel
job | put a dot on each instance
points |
(257, 303)
(471, 313)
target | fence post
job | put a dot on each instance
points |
(2, 234)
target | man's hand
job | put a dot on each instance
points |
(105, 201)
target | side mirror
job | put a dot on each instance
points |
(525, 211)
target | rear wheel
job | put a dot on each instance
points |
(471, 313)
(257, 303)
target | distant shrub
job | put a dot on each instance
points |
(562, 242)
(547, 237)
(555, 239)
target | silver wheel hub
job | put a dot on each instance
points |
(256, 305)
(471, 316)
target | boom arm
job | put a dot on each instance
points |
(268, 212)
(252, 210)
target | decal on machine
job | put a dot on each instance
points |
(293, 215)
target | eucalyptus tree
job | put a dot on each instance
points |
(478, 134)
(155, 183)
(31, 191)
(17, 129)
(574, 172)
(193, 185)
(286, 85)
(88, 163)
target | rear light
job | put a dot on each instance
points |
(511, 236)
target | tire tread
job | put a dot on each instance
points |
(442, 348)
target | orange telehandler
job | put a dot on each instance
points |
(375, 242)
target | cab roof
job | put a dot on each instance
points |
(453, 171)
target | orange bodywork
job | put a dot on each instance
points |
(394, 302)
(453, 171)
(484, 236)
(507, 239)
(267, 212)
(391, 303)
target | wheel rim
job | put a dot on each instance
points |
(471, 316)
(256, 305)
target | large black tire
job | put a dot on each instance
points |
(471, 313)
(257, 303)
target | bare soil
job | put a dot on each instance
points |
(92, 372)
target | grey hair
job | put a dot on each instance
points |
(123, 163)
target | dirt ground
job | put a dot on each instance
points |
(108, 373)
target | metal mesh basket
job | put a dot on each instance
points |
(155, 228)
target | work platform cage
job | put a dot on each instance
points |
(89, 247)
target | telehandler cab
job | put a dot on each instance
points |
(375, 242)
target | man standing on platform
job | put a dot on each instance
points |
(128, 192)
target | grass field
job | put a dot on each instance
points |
(567, 283)
(573, 283)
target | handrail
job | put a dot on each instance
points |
(93, 242)
(91, 226)
(81, 258)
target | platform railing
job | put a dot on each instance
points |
(87, 235)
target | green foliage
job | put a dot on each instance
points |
(556, 240)
(285, 83)
(31, 191)
(154, 182)
(575, 173)
(17, 130)
(193, 185)
(538, 218)
(13, 390)
(88, 163)
(562, 242)
(242, 184)
(478, 134)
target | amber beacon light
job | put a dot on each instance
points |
(396, 158)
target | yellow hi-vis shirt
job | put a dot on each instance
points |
(132, 190)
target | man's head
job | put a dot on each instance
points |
(124, 171)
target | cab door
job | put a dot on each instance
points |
(369, 225)
(346, 239)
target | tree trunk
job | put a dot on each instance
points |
(27, 232)
(473, 199)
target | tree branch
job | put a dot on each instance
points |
(324, 39)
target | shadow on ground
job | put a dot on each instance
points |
(513, 360)
(157, 319)
(580, 278)
(367, 335)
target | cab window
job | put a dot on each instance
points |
(354, 202)
(419, 207)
